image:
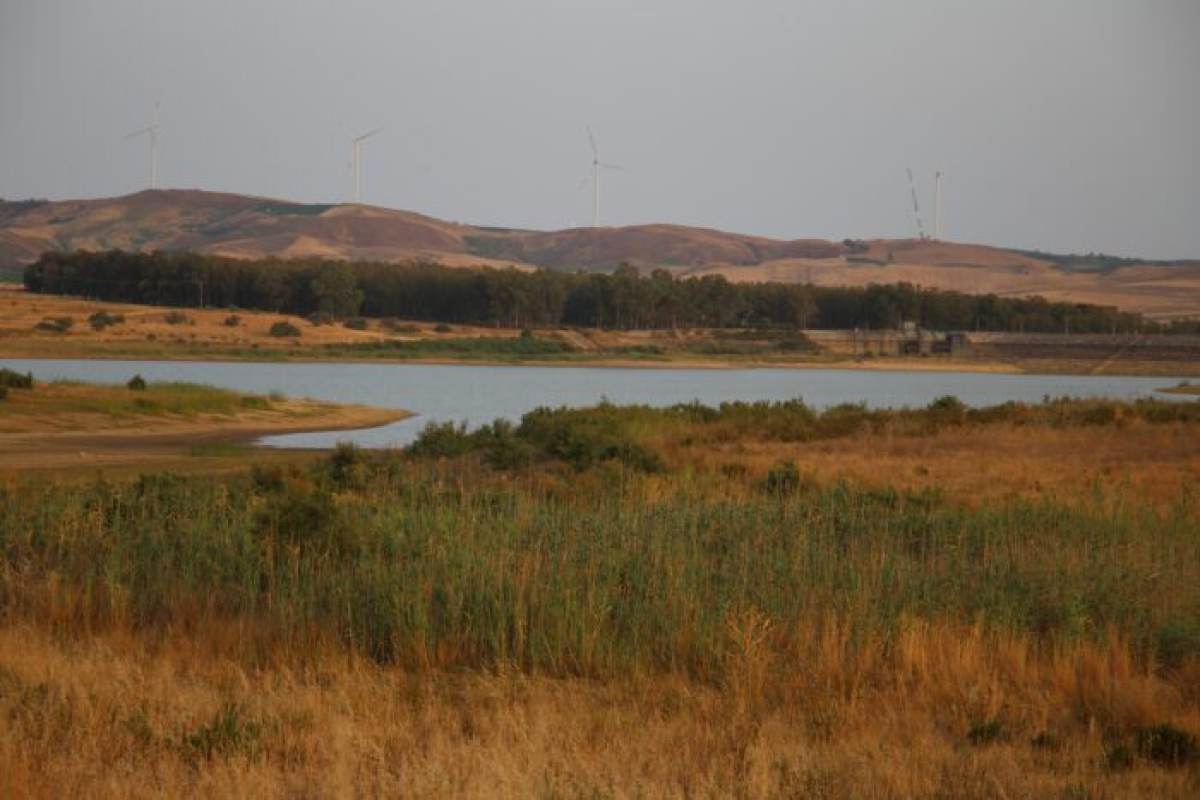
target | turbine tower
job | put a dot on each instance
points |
(912, 188)
(152, 132)
(598, 165)
(937, 205)
(358, 163)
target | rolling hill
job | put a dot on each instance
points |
(252, 227)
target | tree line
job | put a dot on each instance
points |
(622, 299)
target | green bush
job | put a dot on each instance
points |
(481, 346)
(302, 516)
(55, 324)
(12, 379)
(3, 392)
(355, 324)
(396, 326)
(176, 318)
(230, 732)
(502, 447)
(347, 465)
(948, 409)
(137, 384)
(783, 478)
(232, 321)
(320, 318)
(1166, 745)
(442, 440)
(986, 732)
(284, 328)
(442, 328)
(102, 319)
(582, 437)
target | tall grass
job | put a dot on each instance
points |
(600, 574)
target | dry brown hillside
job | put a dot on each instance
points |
(250, 227)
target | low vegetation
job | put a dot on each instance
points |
(137, 398)
(490, 347)
(55, 324)
(102, 319)
(283, 329)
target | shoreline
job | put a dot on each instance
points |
(873, 365)
(173, 443)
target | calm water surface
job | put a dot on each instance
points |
(480, 394)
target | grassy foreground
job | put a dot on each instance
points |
(590, 604)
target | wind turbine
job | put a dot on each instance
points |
(912, 188)
(358, 162)
(152, 131)
(937, 205)
(597, 165)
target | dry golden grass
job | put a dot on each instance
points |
(1140, 462)
(123, 716)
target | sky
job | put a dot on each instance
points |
(1063, 125)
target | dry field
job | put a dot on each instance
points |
(120, 715)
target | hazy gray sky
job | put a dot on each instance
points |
(1069, 125)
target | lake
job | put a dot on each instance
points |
(479, 394)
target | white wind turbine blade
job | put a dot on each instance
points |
(368, 135)
(592, 142)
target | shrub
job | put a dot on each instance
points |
(137, 384)
(102, 319)
(346, 464)
(355, 324)
(55, 324)
(302, 516)
(232, 321)
(284, 328)
(320, 318)
(985, 732)
(583, 437)
(1167, 745)
(501, 446)
(442, 328)
(442, 440)
(11, 379)
(396, 326)
(947, 410)
(1119, 758)
(3, 392)
(176, 318)
(783, 478)
(230, 732)
(1045, 740)
(1176, 640)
